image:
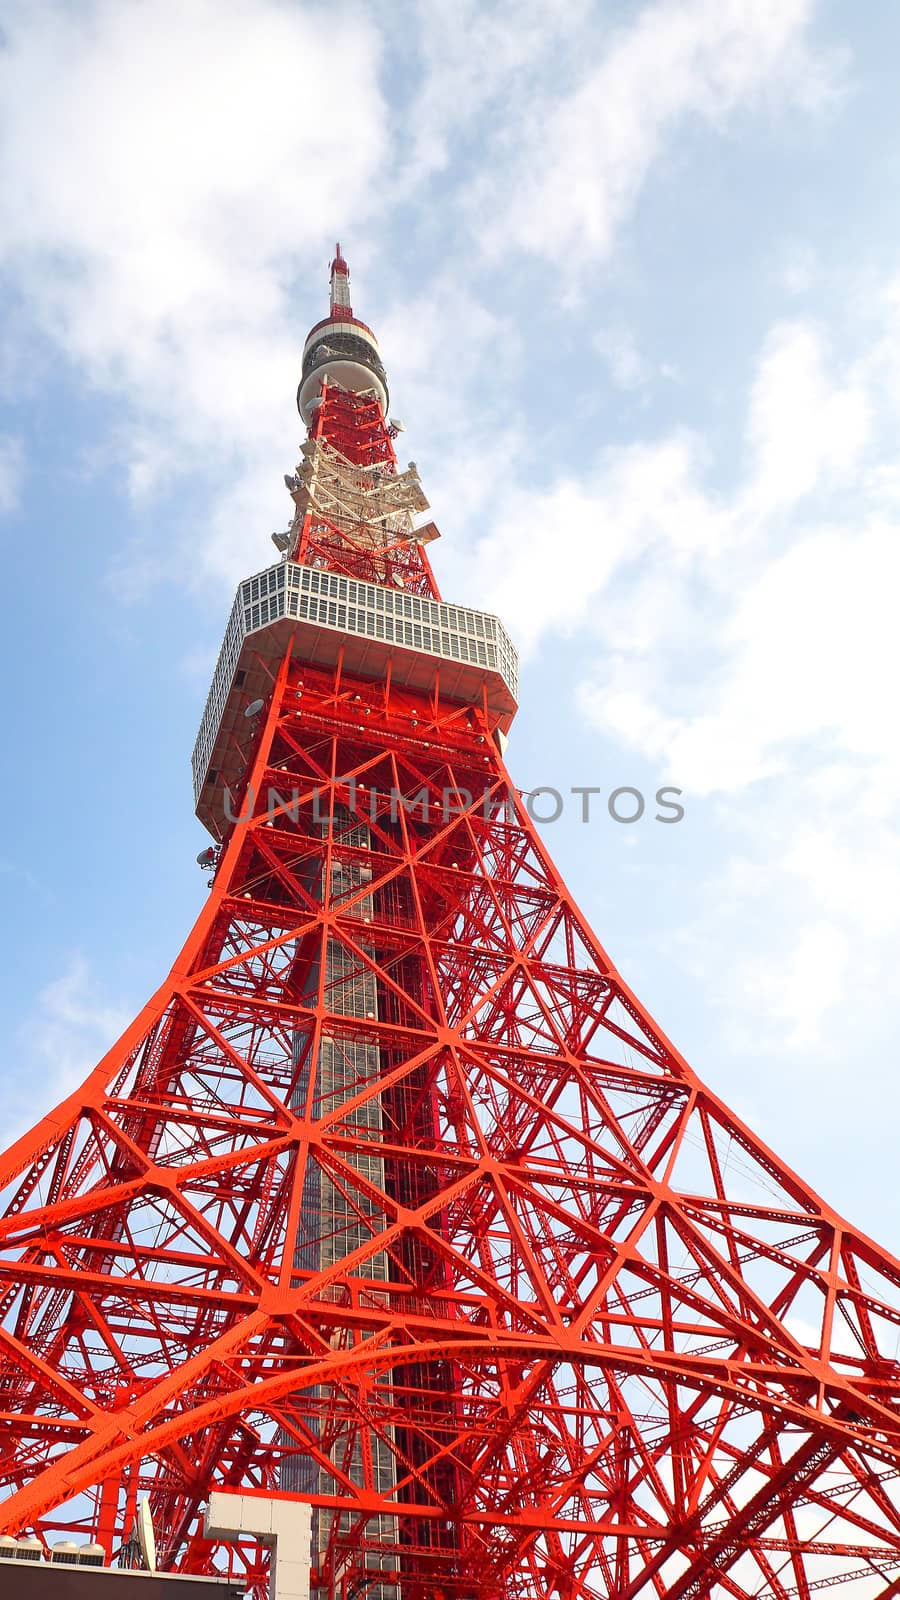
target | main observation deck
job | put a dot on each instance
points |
(328, 617)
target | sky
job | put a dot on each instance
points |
(635, 273)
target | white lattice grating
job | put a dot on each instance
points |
(356, 610)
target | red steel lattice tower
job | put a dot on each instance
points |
(393, 1198)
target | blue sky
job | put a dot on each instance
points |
(635, 269)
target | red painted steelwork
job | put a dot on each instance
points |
(606, 1342)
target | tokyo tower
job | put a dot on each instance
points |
(393, 1200)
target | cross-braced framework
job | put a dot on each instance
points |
(353, 511)
(395, 1199)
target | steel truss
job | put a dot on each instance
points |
(506, 1292)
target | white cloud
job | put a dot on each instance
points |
(165, 172)
(156, 240)
(781, 610)
(12, 472)
(625, 364)
(584, 158)
(796, 928)
(552, 553)
(746, 646)
(476, 58)
(69, 1028)
(801, 426)
(808, 662)
(440, 342)
(797, 270)
(799, 990)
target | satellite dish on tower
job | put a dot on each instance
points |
(145, 1535)
(254, 708)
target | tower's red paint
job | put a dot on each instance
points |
(393, 1197)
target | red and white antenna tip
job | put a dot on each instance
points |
(340, 283)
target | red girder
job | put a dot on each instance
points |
(396, 1194)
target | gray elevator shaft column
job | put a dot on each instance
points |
(332, 1225)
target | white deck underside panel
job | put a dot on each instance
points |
(327, 617)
